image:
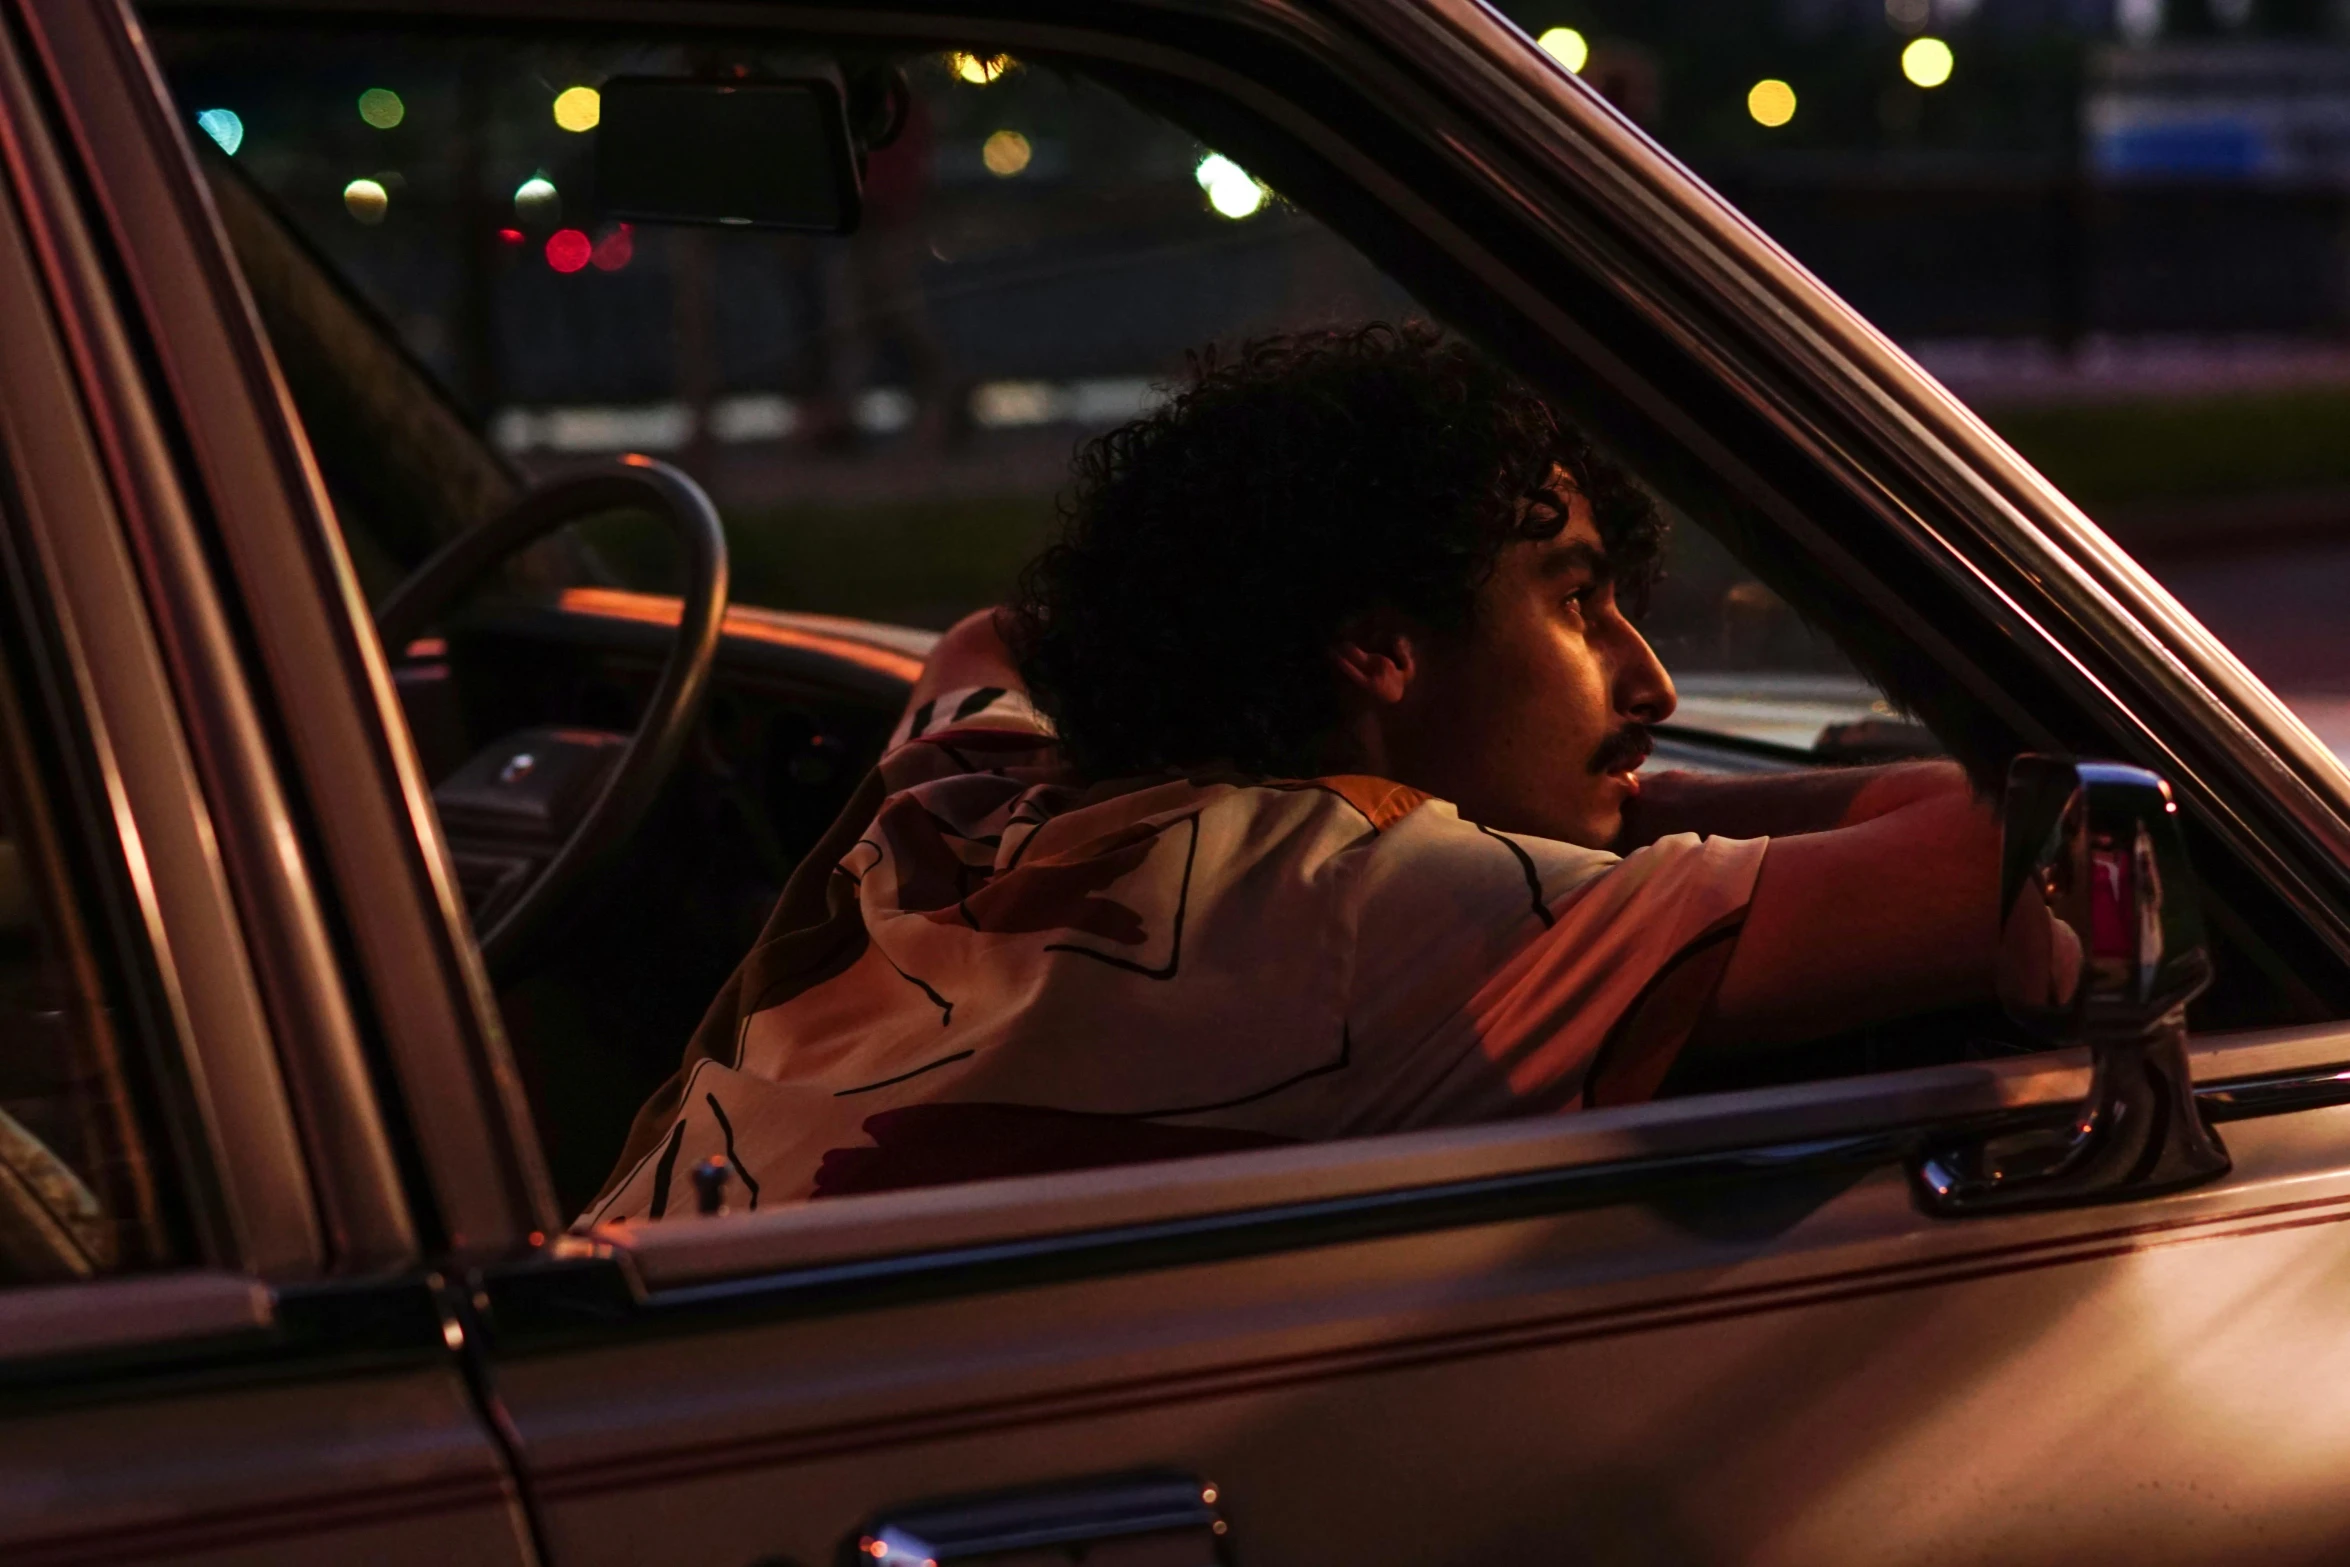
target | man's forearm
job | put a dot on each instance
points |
(1851, 927)
(1777, 805)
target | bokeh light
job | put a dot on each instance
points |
(510, 236)
(381, 107)
(568, 250)
(1566, 46)
(616, 249)
(1927, 62)
(1771, 102)
(367, 201)
(223, 126)
(535, 200)
(579, 108)
(1006, 153)
(1232, 190)
(979, 69)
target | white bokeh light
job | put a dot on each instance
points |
(1231, 189)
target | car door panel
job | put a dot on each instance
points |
(385, 1466)
(1792, 1369)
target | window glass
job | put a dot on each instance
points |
(85, 1186)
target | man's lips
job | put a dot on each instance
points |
(1623, 752)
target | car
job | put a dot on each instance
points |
(347, 923)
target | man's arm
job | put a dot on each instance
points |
(1894, 915)
(971, 652)
(1777, 805)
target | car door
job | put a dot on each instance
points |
(1717, 1328)
(217, 1339)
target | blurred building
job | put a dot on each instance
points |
(2272, 114)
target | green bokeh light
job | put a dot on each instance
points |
(381, 107)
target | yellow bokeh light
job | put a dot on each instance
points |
(1566, 46)
(1927, 62)
(1771, 102)
(979, 69)
(367, 201)
(1005, 153)
(579, 108)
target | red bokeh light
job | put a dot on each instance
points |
(615, 249)
(509, 236)
(568, 250)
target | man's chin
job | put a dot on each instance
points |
(1598, 828)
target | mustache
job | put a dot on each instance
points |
(1624, 750)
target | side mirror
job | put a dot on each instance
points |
(2101, 932)
(2102, 943)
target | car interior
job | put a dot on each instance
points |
(871, 307)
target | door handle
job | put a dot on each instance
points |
(1138, 1520)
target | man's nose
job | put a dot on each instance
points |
(1644, 691)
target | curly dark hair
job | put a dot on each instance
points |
(1211, 552)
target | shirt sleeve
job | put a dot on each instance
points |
(1581, 993)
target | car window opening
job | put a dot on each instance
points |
(971, 858)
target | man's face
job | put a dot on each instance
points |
(1533, 718)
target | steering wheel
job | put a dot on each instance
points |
(52, 1226)
(604, 800)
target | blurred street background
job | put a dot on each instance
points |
(2118, 228)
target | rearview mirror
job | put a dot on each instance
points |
(745, 154)
(2101, 942)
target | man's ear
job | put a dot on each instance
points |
(1378, 655)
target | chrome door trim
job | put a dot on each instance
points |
(108, 1339)
(352, 1175)
(1601, 1154)
(244, 1134)
(353, 778)
(75, 1321)
(1825, 1116)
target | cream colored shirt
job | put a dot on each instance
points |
(1031, 974)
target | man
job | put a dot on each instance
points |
(1287, 803)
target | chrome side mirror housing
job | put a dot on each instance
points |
(2101, 931)
(2101, 943)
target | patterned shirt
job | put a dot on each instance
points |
(993, 969)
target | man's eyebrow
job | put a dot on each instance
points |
(1559, 560)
